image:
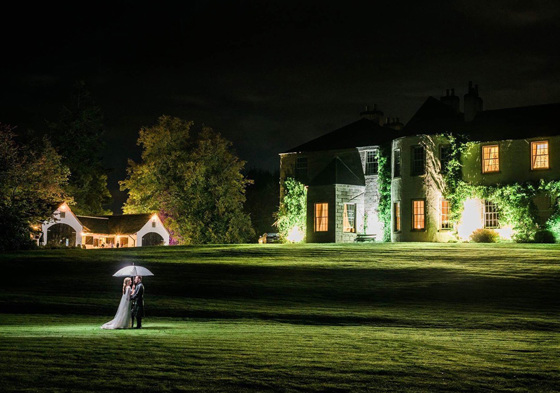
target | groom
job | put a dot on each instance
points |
(138, 302)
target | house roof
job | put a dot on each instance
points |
(511, 123)
(363, 132)
(338, 172)
(113, 225)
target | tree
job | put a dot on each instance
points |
(78, 137)
(262, 199)
(194, 181)
(291, 216)
(32, 181)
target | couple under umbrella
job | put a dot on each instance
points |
(131, 305)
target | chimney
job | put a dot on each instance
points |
(373, 115)
(473, 103)
(451, 100)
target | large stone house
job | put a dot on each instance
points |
(340, 168)
(127, 230)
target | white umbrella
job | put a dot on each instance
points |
(130, 271)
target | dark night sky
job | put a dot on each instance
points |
(270, 75)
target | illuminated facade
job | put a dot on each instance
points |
(506, 146)
(128, 230)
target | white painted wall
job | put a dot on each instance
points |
(147, 228)
(69, 219)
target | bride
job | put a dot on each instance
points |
(123, 317)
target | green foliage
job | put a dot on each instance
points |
(78, 136)
(384, 189)
(195, 181)
(292, 212)
(32, 181)
(484, 236)
(545, 236)
(514, 201)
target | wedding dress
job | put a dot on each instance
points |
(123, 318)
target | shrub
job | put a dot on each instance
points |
(484, 236)
(545, 236)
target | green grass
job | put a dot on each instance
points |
(365, 317)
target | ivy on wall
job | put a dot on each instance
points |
(514, 201)
(293, 208)
(384, 189)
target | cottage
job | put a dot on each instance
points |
(128, 230)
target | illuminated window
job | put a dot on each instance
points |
(445, 209)
(418, 161)
(301, 168)
(418, 216)
(372, 163)
(444, 157)
(491, 216)
(397, 213)
(349, 217)
(490, 158)
(321, 217)
(397, 163)
(539, 155)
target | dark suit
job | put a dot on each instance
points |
(138, 305)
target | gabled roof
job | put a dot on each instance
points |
(363, 132)
(113, 225)
(337, 172)
(435, 117)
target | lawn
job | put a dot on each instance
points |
(363, 317)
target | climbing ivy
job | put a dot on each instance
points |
(384, 189)
(293, 208)
(514, 201)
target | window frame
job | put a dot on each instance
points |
(483, 159)
(316, 218)
(547, 155)
(441, 161)
(374, 163)
(449, 224)
(299, 174)
(485, 214)
(413, 160)
(348, 229)
(397, 214)
(413, 215)
(397, 152)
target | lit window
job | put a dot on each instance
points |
(491, 216)
(445, 209)
(349, 217)
(321, 217)
(539, 155)
(301, 168)
(397, 212)
(372, 163)
(444, 157)
(418, 160)
(397, 163)
(490, 158)
(418, 217)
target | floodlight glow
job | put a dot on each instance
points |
(471, 219)
(295, 235)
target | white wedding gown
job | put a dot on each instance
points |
(123, 317)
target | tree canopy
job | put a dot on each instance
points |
(78, 137)
(32, 183)
(193, 179)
